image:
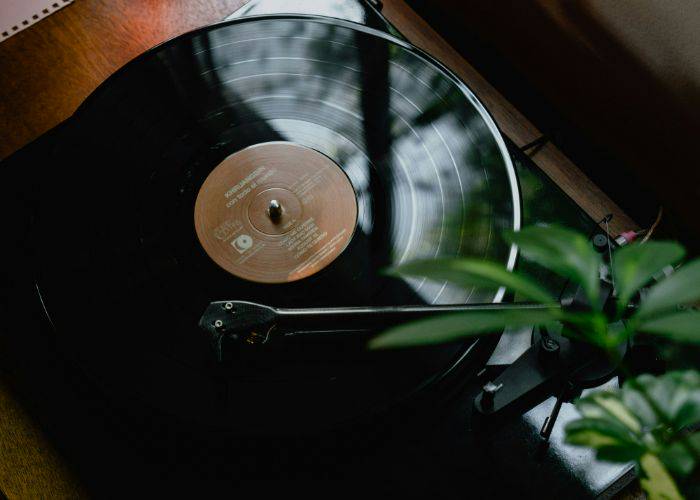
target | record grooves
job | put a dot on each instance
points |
(272, 131)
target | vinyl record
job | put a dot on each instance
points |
(159, 204)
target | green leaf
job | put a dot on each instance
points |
(643, 421)
(678, 289)
(676, 394)
(611, 440)
(678, 459)
(607, 405)
(636, 264)
(588, 408)
(450, 327)
(612, 404)
(590, 438)
(689, 412)
(680, 327)
(639, 406)
(657, 483)
(563, 251)
(467, 273)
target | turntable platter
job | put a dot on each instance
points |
(378, 155)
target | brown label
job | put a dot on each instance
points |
(275, 212)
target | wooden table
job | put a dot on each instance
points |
(48, 69)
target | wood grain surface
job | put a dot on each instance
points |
(47, 70)
(29, 465)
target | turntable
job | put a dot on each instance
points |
(271, 167)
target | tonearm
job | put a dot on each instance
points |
(555, 364)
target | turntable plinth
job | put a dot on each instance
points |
(45, 74)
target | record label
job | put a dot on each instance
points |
(275, 212)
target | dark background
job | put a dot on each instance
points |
(630, 127)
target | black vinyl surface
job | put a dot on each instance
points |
(124, 279)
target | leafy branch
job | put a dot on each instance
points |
(649, 420)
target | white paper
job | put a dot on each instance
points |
(16, 15)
